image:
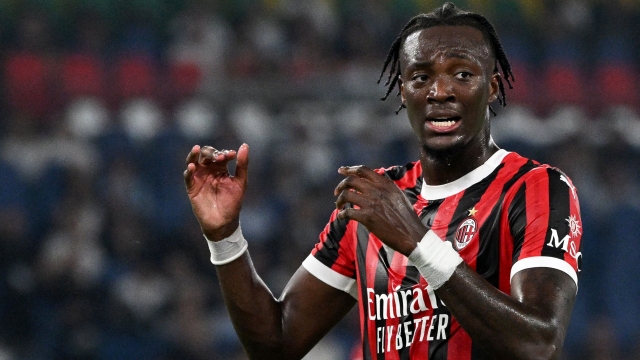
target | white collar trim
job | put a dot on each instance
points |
(436, 192)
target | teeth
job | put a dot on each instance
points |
(442, 123)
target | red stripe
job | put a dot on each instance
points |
(345, 264)
(459, 345)
(410, 178)
(538, 208)
(396, 275)
(363, 317)
(506, 252)
(420, 204)
(575, 240)
(445, 214)
(371, 265)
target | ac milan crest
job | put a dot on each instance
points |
(465, 233)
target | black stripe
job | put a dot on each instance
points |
(329, 252)
(429, 212)
(559, 212)
(518, 219)
(361, 254)
(412, 193)
(381, 286)
(398, 172)
(439, 349)
(478, 354)
(411, 279)
(488, 259)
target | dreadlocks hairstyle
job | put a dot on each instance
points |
(447, 15)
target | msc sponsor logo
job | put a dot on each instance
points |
(566, 243)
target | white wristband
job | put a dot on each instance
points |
(228, 249)
(435, 259)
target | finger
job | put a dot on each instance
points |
(193, 154)
(360, 171)
(209, 155)
(352, 214)
(350, 182)
(351, 197)
(242, 165)
(188, 174)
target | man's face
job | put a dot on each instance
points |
(447, 83)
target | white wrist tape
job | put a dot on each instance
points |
(229, 249)
(435, 259)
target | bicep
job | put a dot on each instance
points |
(550, 292)
(310, 308)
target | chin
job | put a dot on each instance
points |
(443, 146)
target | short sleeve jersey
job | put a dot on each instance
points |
(507, 215)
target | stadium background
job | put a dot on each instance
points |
(100, 255)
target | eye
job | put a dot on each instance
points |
(420, 78)
(464, 75)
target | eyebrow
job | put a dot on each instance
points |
(450, 53)
(459, 55)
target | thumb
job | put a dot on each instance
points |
(242, 162)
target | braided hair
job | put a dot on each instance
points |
(447, 15)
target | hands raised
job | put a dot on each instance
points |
(381, 207)
(215, 195)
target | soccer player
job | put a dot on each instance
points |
(472, 252)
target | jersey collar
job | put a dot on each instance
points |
(436, 192)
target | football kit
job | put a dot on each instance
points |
(507, 215)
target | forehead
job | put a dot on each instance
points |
(451, 41)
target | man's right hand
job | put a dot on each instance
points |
(215, 195)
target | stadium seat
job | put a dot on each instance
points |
(616, 84)
(523, 87)
(563, 85)
(184, 80)
(82, 76)
(136, 76)
(26, 77)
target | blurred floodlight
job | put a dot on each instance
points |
(142, 119)
(196, 119)
(87, 117)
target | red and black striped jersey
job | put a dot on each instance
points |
(507, 215)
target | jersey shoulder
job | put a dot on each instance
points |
(540, 171)
(405, 176)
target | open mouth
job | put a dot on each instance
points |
(443, 122)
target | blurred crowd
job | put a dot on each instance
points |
(100, 255)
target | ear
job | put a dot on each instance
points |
(494, 87)
(401, 84)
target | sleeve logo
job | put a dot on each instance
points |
(574, 226)
(566, 244)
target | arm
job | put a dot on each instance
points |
(286, 328)
(529, 324)
(269, 328)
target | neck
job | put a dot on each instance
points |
(445, 166)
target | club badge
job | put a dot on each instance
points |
(466, 231)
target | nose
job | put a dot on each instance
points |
(441, 90)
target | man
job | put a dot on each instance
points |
(470, 253)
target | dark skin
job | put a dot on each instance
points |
(447, 83)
